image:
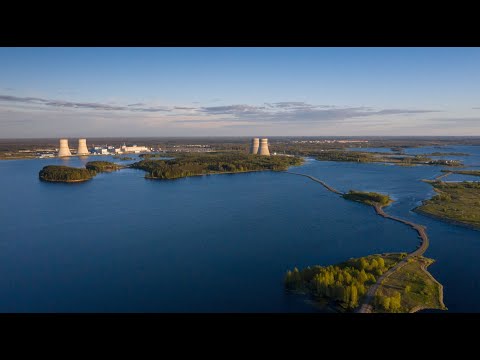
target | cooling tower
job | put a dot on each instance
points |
(82, 147)
(263, 150)
(254, 147)
(64, 149)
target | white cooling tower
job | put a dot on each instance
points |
(254, 147)
(263, 150)
(64, 149)
(82, 147)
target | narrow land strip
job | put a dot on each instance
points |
(366, 306)
(441, 176)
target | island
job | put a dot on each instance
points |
(60, 173)
(344, 286)
(102, 166)
(185, 165)
(369, 198)
(455, 202)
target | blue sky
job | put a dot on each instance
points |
(52, 92)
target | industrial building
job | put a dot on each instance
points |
(132, 149)
(82, 147)
(64, 150)
(254, 146)
(263, 149)
(259, 147)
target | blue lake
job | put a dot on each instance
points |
(219, 243)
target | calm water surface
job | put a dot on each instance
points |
(212, 243)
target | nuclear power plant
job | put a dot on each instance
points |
(254, 147)
(82, 147)
(260, 149)
(64, 149)
(263, 150)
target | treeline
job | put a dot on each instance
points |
(354, 156)
(344, 284)
(207, 163)
(369, 198)
(65, 173)
(101, 166)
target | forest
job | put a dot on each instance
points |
(344, 284)
(184, 165)
(59, 173)
(102, 166)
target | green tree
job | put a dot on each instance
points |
(353, 296)
(395, 302)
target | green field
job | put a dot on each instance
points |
(409, 289)
(458, 202)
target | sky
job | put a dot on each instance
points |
(100, 92)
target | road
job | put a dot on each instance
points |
(366, 306)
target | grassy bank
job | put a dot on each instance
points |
(455, 202)
(411, 288)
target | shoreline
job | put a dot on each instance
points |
(445, 219)
(365, 306)
(65, 181)
(213, 173)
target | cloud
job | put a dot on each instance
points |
(292, 116)
(232, 109)
(184, 108)
(298, 112)
(79, 105)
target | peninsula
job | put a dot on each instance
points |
(403, 283)
(455, 202)
(463, 172)
(343, 287)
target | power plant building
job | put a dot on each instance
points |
(82, 147)
(259, 147)
(64, 150)
(263, 149)
(254, 146)
(132, 149)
